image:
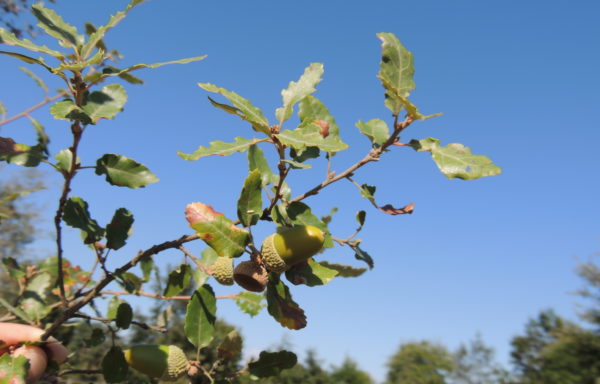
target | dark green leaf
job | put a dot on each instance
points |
(178, 280)
(363, 256)
(114, 365)
(368, 192)
(20, 154)
(34, 297)
(223, 236)
(15, 369)
(130, 282)
(249, 207)
(124, 315)
(106, 103)
(306, 154)
(96, 338)
(310, 273)
(10, 39)
(376, 130)
(300, 214)
(281, 305)
(360, 217)
(344, 270)
(200, 317)
(257, 160)
(209, 256)
(297, 91)
(56, 27)
(231, 346)
(64, 160)
(13, 268)
(272, 363)
(243, 108)
(250, 303)
(456, 161)
(147, 264)
(220, 148)
(42, 137)
(119, 229)
(76, 215)
(124, 172)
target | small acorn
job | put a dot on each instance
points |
(280, 251)
(222, 270)
(251, 276)
(164, 362)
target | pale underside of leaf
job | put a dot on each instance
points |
(220, 148)
(296, 91)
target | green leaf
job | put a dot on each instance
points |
(178, 280)
(40, 83)
(147, 264)
(129, 281)
(306, 154)
(296, 91)
(124, 172)
(3, 111)
(13, 268)
(310, 274)
(42, 138)
(309, 134)
(257, 160)
(312, 109)
(96, 35)
(209, 256)
(34, 297)
(297, 165)
(272, 363)
(10, 39)
(231, 346)
(119, 229)
(359, 254)
(250, 303)
(15, 369)
(64, 160)
(301, 214)
(281, 306)
(220, 148)
(249, 208)
(56, 27)
(107, 72)
(456, 161)
(217, 231)
(18, 312)
(114, 365)
(360, 217)
(98, 58)
(20, 154)
(106, 103)
(30, 60)
(76, 215)
(200, 317)
(368, 192)
(113, 306)
(376, 130)
(243, 108)
(124, 315)
(96, 338)
(67, 110)
(344, 270)
(396, 71)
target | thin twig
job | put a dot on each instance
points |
(80, 372)
(134, 322)
(28, 111)
(161, 297)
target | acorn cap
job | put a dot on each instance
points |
(251, 276)
(222, 270)
(164, 362)
(291, 246)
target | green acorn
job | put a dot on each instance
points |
(222, 270)
(164, 362)
(280, 251)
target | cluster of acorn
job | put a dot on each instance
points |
(280, 251)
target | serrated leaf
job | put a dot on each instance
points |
(296, 91)
(10, 39)
(106, 103)
(56, 27)
(301, 214)
(249, 207)
(281, 306)
(124, 172)
(76, 215)
(360, 217)
(250, 303)
(20, 154)
(122, 73)
(119, 229)
(310, 136)
(344, 270)
(272, 363)
(359, 254)
(15, 369)
(396, 71)
(243, 108)
(178, 280)
(257, 160)
(231, 346)
(39, 82)
(209, 256)
(200, 317)
(98, 58)
(124, 315)
(114, 365)
(376, 130)
(67, 110)
(310, 273)
(96, 35)
(456, 161)
(64, 160)
(34, 297)
(220, 148)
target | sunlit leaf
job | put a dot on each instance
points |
(178, 280)
(56, 27)
(250, 303)
(297, 165)
(10, 39)
(376, 130)
(97, 77)
(257, 160)
(310, 136)
(98, 58)
(67, 110)
(344, 270)
(76, 215)
(220, 148)
(310, 273)
(249, 207)
(64, 160)
(396, 71)
(124, 172)
(272, 363)
(209, 256)
(281, 306)
(15, 369)
(200, 317)
(106, 103)
(297, 91)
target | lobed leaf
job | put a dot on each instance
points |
(220, 148)
(200, 317)
(281, 306)
(376, 130)
(296, 91)
(106, 103)
(76, 215)
(250, 303)
(396, 71)
(344, 270)
(310, 273)
(124, 172)
(312, 109)
(54, 25)
(243, 108)
(249, 207)
(119, 229)
(10, 39)
(455, 160)
(272, 363)
(178, 280)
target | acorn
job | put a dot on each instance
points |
(164, 362)
(222, 270)
(280, 251)
(251, 276)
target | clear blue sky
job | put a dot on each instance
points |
(516, 80)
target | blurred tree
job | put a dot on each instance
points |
(475, 364)
(12, 16)
(420, 363)
(349, 373)
(590, 273)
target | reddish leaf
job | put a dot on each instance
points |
(199, 212)
(398, 211)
